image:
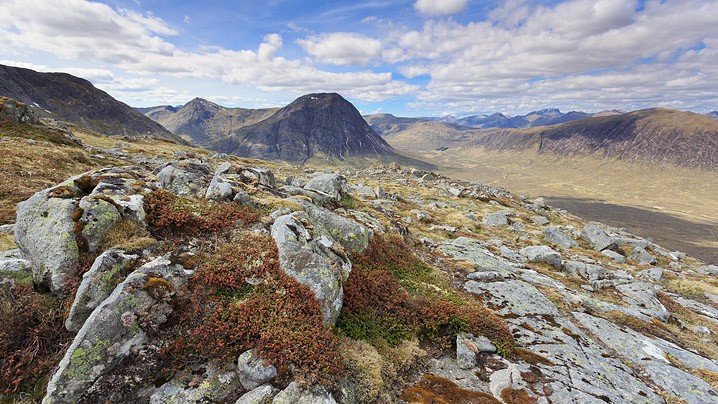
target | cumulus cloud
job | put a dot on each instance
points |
(342, 48)
(440, 7)
(138, 43)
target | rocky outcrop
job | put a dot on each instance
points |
(115, 328)
(16, 111)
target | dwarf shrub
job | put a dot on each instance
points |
(393, 295)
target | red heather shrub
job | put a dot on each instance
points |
(241, 299)
(169, 212)
(386, 297)
(32, 338)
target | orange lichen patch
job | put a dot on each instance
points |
(157, 287)
(531, 357)
(437, 390)
(513, 396)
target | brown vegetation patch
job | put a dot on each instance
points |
(437, 390)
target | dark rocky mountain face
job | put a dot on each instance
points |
(203, 122)
(75, 100)
(314, 125)
(654, 135)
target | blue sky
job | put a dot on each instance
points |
(410, 58)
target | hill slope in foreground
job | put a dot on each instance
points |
(176, 277)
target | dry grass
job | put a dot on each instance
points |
(7, 242)
(127, 235)
(692, 288)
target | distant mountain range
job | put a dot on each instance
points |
(68, 98)
(203, 122)
(655, 135)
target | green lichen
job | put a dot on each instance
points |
(83, 360)
(20, 277)
(108, 279)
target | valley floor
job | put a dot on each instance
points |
(674, 206)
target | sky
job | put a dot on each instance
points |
(409, 58)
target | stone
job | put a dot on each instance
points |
(616, 257)
(98, 216)
(313, 260)
(7, 228)
(253, 372)
(15, 268)
(539, 203)
(222, 168)
(596, 237)
(218, 189)
(539, 220)
(353, 236)
(421, 215)
(293, 394)
(96, 285)
(554, 235)
(511, 255)
(586, 271)
(16, 111)
(242, 197)
(504, 378)
(485, 276)
(642, 256)
(45, 233)
(185, 178)
(650, 353)
(642, 295)
(216, 387)
(364, 191)
(117, 327)
(475, 252)
(701, 330)
(449, 229)
(468, 347)
(261, 176)
(542, 253)
(651, 274)
(500, 218)
(263, 394)
(333, 186)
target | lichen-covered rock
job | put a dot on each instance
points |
(263, 394)
(14, 268)
(293, 394)
(115, 328)
(596, 237)
(542, 253)
(96, 285)
(642, 295)
(261, 176)
(555, 235)
(642, 256)
(315, 260)
(616, 257)
(16, 111)
(353, 236)
(333, 186)
(45, 233)
(215, 388)
(590, 272)
(185, 178)
(500, 218)
(253, 371)
(98, 216)
(218, 189)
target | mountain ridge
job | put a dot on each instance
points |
(65, 97)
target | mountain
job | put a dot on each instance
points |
(314, 125)
(203, 122)
(68, 98)
(713, 115)
(146, 110)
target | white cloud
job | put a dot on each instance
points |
(342, 48)
(136, 43)
(440, 7)
(187, 19)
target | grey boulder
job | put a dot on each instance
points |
(555, 235)
(596, 237)
(542, 253)
(252, 370)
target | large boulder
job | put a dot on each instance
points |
(500, 218)
(16, 111)
(253, 372)
(116, 328)
(353, 236)
(217, 387)
(45, 233)
(313, 258)
(542, 253)
(596, 237)
(96, 285)
(334, 186)
(555, 235)
(185, 178)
